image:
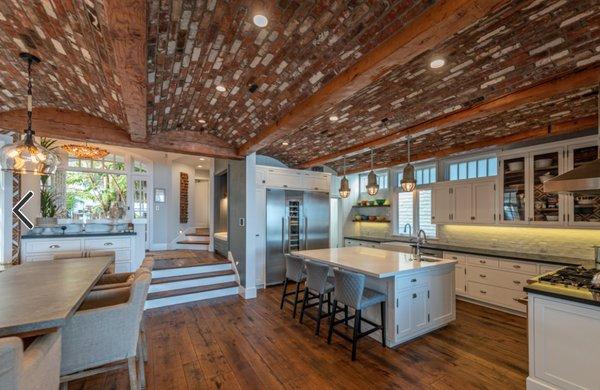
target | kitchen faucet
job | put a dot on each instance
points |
(420, 235)
(407, 225)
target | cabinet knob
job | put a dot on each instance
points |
(54, 246)
(482, 275)
(516, 266)
(483, 291)
(108, 244)
(414, 296)
(482, 261)
(516, 282)
(413, 280)
(472, 218)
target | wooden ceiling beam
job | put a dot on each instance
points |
(79, 126)
(127, 31)
(561, 85)
(434, 26)
(558, 128)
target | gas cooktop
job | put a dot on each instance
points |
(578, 277)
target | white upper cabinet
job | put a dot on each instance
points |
(463, 201)
(471, 201)
(484, 202)
(441, 204)
(296, 179)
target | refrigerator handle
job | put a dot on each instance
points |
(305, 233)
(282, 235)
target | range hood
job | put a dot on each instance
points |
(584, 180)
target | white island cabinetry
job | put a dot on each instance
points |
(420, 294)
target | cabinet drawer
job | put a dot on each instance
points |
(499, 278)
(497, 295)
(55, 245)
(403, 282)
(460, 257)
(481, 261)
(519, 266)
(107, 243)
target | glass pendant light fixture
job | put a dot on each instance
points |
(27, 155)
(408, 182)
(372, 186)
(344, 185)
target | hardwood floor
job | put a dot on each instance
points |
(230, 343)
(184, 258)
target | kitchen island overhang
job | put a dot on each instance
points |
(420, 294)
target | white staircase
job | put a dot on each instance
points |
(194, 239)
(171, 286)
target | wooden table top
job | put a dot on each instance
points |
(42, 295)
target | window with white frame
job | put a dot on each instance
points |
(414, 213)
(382, 180)
(473, 169)
(423, 176)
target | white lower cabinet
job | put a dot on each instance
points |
(563, 344)
(424, 301)
(495, 281)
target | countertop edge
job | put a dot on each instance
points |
(540, 291)
(75, 235)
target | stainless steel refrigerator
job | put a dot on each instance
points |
(296, 220)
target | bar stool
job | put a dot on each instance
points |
(350, 290)
(294, 271)
(318, 285)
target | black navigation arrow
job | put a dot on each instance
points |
(18, 206)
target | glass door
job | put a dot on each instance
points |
(583, 209)
(141, 206)
(547, 208)
(513, 190)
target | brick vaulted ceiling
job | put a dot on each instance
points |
(192, 46)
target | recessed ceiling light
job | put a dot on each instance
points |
(221, 88)
(201, 158)
(199, 166)
(202, 121)
(260, 20)
(333, 118)
(285, 143)
(437, 63)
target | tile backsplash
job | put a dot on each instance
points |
(575, 243)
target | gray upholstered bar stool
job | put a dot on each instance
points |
(318, 285)
(294, 271)
(350, 290)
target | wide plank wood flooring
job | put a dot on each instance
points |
(184, 258)
(230, 343)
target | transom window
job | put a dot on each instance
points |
(473, 169)
(112, 162)
(382, 180)
(423, 176)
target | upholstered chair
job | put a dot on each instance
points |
(123, 279)
(35, 368)
(106, 330)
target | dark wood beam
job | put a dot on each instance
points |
(434, 26)
(565, 127)
(548, 89)
(127, 30)
(79, 126)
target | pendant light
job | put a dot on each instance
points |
(344, 185)
(372, 186)
(408, 182)
(26, 155)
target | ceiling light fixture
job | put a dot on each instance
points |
(86, 151)
(333, 118)
(285, 143)
(221, 88)
(201, 121)
(408, 182)
(372, 186)
(437, 63)
(260, 20)
(26, 155)
(201, 158)
(344, 185)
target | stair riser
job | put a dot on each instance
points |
(162, 302)
(191, 283)
(197, 247)
(190, 270)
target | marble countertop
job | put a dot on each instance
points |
(377, 263)
(581, 295)
(80, 234)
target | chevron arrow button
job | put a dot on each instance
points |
(19, 206)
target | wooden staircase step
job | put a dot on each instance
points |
(180, 278)
(190, 290)
(198, 234)
(194, 242)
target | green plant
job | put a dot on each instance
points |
(48, 203)
(49, 144)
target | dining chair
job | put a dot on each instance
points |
(122, 279)
(350, 290)
(87, 254)
(36, 367)
(106, 330)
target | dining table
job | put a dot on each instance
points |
(39, 297)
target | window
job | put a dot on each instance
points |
(382, 180)
(414, 209)
(423, 176)
(473, 169)
(91, 194)
(111, 162)
(139, 167)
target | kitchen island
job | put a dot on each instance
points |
(420, 294)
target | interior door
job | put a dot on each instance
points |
(276, 236)
(316, 220)
(141, 203)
